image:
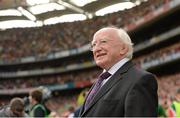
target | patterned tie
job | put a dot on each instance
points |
(96, 87)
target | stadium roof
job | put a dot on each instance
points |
(31, 13)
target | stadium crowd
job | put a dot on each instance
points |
(42, 41)
(74, 77)
(160, 55)
(52, 80)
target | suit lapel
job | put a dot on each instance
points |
(109, 84)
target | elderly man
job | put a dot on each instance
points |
(121, 90)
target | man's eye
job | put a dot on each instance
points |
(103, 41)
(93, 44)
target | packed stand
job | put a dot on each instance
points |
(86, 75)
(62, 79)
(17, 43)
(160, 55)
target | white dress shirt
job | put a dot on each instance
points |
(114, 68)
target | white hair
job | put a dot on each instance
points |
(123, 35)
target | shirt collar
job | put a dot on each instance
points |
(116, 66)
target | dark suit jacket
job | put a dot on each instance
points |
(129, 92)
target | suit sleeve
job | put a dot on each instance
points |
(142, 99)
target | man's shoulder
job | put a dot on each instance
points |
(39, 107)
(136, 75)
(139, 71)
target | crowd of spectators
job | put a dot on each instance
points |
(85, 75)
(169, 87)
(18, 43)
(168, 84)
(52, 80)
(62, 103)
(161, 54)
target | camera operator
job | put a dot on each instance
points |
(38, 109)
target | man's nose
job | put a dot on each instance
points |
(97, 48)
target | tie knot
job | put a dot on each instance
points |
(105, 75)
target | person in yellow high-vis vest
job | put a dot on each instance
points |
(176, 104)
(37, 109)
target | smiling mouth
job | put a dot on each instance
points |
(100, 55)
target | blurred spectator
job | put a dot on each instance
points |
(15, 109)
(38, 109)
(162, 108)
(71, 112)
(175, 106)
(81, 97)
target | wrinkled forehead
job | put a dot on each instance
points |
(105, 33)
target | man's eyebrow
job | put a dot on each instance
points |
(102, 38)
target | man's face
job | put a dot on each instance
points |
(107, 48)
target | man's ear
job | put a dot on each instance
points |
(124, 49)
